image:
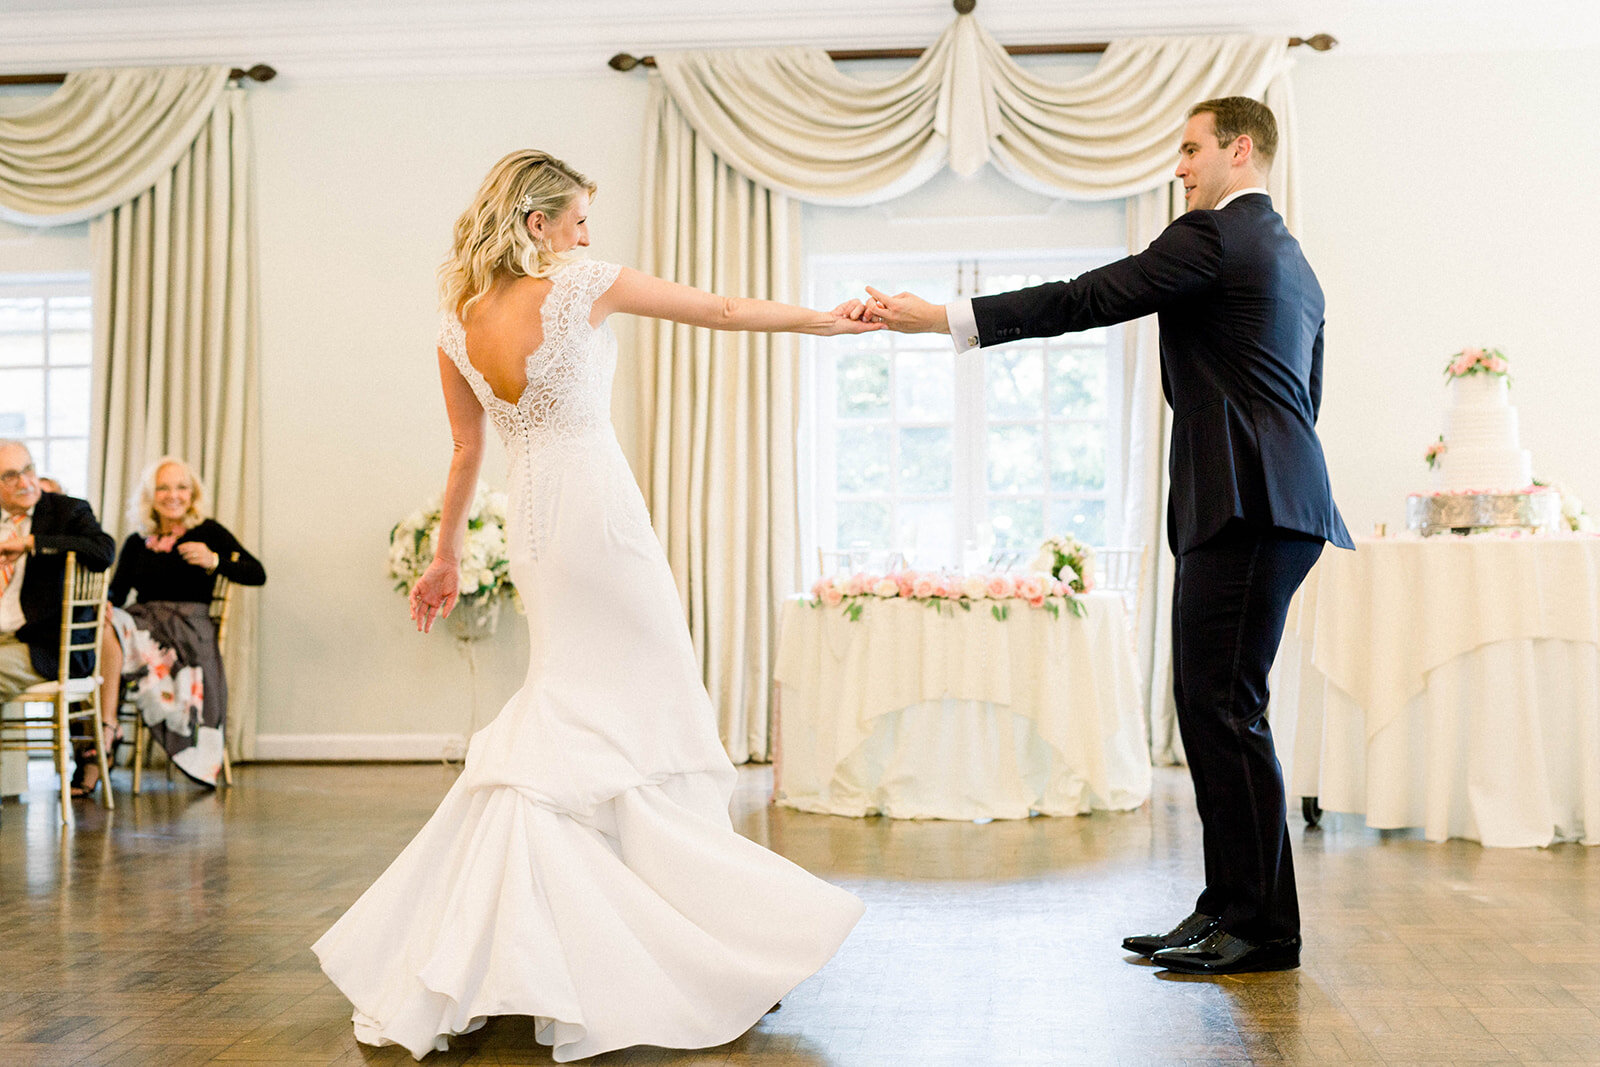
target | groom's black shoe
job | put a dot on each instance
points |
(1189, 931)
(1219, 952)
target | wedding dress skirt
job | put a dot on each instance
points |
(583, 869)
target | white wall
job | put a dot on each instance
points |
(1447, 205)
(1443, 208)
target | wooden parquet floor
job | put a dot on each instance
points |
(175, 932)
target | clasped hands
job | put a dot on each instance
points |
(902, 313)
(14, 548)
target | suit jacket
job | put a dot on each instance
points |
(61, 524)
(1241, 318)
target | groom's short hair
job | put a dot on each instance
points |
(1233, 115)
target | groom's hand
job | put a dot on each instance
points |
(906, 313)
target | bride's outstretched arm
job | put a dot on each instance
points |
(636, 293)
(436, 591)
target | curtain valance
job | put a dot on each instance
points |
(101, 139)
(790, 120)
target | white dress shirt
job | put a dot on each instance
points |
(964, 324)
(11, 617)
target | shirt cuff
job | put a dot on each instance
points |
(963, 325)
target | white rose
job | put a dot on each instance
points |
(468, 582)
(486, 579)
(973, 587)
(886, 587)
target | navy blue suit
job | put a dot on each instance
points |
(1249, 510)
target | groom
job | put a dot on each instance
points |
(1250, 508)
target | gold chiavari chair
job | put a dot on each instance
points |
(219, 610)
(83, 594)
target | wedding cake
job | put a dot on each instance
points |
(1482, 476)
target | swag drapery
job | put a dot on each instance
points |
(158, 161)
(735, 138)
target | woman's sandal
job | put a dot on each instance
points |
(111, 737)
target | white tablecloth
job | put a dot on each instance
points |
(918, 713)
(1451, 684)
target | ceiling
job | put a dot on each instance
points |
(389, 39)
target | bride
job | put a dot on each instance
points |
(583, 869)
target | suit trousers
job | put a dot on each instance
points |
(16, 667)
(1230, 600)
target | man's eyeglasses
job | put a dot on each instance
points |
(11, 479)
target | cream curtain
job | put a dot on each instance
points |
(735, 132)
(159, 161)
(719, 414)
(788, 119)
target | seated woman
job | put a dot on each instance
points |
(168, 641)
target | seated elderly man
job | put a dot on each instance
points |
(37, 530)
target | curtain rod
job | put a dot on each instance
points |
(624, 61)
(260, 72)
(1322, 42)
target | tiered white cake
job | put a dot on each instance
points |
(1482, 476)
(1482, 449)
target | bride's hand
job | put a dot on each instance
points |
(850, 317)
(435, 593)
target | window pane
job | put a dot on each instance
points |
(1078, 382)
(925, 460)
(69, 348)
(21, 332)
(862, 453)
(22, 403)
(69, 313)
(1018, 524)
(925, 533)
(1083, 519)
(1015, 383)
(1016, 459)
(1077, 455)
(863, 520)
(69, 401)
(68, 463)
(925, 385)
(863, 384)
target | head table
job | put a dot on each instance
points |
(1448, 683)
(914, 711)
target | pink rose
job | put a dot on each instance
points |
(924, 587)
(855, 585)
(1459, 367)
(999, 587)
(819, 587)
(1030, 588)
(907, 581)
(1036, 601)
(886, 587)
(832, 596)
(1063, 589)
(1497, 365)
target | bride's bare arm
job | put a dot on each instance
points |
(435, 592)
(636, 293)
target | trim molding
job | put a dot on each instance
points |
(359, 748)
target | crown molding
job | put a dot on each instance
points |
(390, 40)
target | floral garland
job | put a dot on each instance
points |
(1470, 361)
(485, 561)
(943, 591)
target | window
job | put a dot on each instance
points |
(44, 372)
(942, 458)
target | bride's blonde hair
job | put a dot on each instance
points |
(491, 236)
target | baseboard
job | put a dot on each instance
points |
(347, 748)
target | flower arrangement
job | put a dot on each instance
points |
(1067, 559)
(1470, 361)
(1573, 515)
(485, 562)
(943, 591)
(1434, 452)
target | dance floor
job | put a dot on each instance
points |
(175, 930)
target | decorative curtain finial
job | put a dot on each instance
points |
(964, 7)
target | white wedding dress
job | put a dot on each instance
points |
(583, 869)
